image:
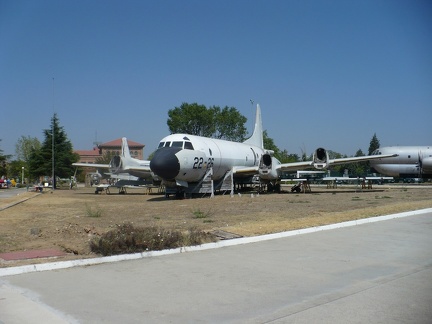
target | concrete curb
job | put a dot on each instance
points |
(244, 240)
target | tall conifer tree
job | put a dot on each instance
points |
(41, 160)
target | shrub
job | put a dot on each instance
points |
(97, 212)
(198, 213)
(129, 239)
(196, 237)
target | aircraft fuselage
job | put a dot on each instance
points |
(186, 158)
(412, 161)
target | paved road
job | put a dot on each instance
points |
(6, 193)
(377, 273)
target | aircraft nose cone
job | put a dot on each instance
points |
(165, 163)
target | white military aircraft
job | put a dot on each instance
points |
(184, 160)
(124, 164)
(410, 162)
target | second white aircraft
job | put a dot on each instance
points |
(410, 162)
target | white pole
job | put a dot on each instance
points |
(53, 173)
(52, 144)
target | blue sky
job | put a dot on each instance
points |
(326, 73)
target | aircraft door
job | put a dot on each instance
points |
(255, 156)
(214, 159)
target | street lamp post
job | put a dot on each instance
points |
(22, 178)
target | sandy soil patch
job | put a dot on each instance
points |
(69, 219)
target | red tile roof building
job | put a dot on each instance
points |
(89, 156)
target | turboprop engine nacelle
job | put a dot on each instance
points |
(267, 167)
(116, 164)
(320, 159)
(426, 165)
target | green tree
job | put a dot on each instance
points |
(2, 163)
(339, 169)
(192, 119)
(360, 168)
(374, 144)
(24, 146)
(304, 155)
(269, 143)
(230, 124)
(334, 155)
(195, 119)
(281, 155)
(357, 169)
(285, 157)
(41, 160)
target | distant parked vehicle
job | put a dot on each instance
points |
(5, 183)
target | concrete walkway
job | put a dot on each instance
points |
(377, 272)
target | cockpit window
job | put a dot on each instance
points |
(188, 146)
(177, 144)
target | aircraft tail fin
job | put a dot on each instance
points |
(257, 136)
(125, 148)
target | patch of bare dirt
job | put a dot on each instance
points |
(69, 219)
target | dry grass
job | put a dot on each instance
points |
(70, 219)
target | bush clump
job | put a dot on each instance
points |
(129, 239)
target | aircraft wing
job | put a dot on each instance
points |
(141, 171)
(91, 165)
(141, 168)
(325, 162)
(359, 159)
(294, 166)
